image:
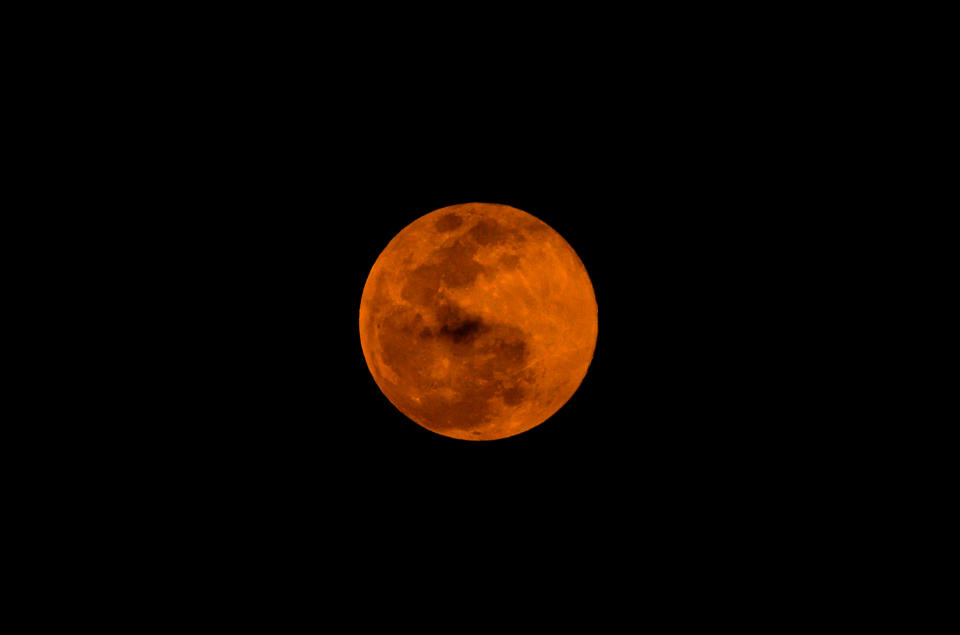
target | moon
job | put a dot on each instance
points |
(478, 321)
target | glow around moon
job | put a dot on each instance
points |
(478, 321)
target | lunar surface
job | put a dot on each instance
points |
(478, 321)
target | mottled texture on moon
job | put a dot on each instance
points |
(478, 321)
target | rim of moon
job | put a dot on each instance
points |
(478, 321)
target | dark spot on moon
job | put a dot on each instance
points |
(448, 223)
(422, 285)
(488, 232)
(425, 333)
(458, 267)
(457, 326)
(462, 332)
(449, 313)
(513, 395)
(536, 227)
(511, 352)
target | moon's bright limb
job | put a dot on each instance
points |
(478, 321)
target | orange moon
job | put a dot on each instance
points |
(478, 321)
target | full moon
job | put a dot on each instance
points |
(478, 321)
